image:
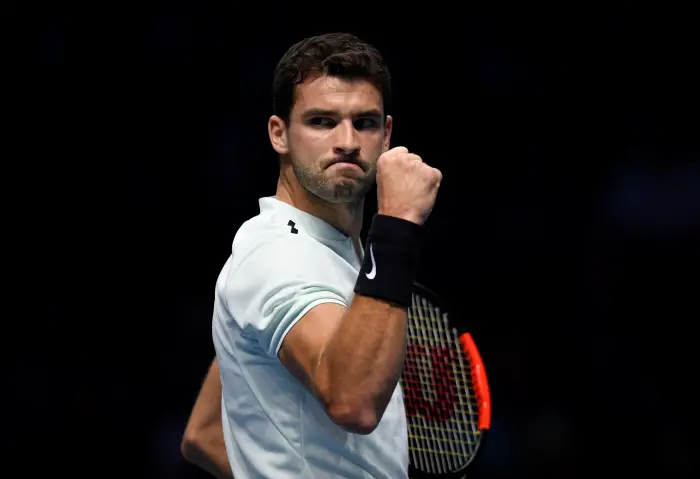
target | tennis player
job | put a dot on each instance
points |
(309, 331)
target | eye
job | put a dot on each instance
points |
(366, 123)
(321, 121)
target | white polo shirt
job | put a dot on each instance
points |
(283, 263)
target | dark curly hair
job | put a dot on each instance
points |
(335, 54)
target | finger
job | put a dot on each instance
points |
(414, 157)
(398, 149)
(438, 178)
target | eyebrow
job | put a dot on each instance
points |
(321, 112)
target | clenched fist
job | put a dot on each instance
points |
(406, 187)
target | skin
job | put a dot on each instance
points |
(203, 441)
(350, 359)
(332, 119)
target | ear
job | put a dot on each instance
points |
(388, 124)
(277, 130)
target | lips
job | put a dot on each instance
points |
(347, 162)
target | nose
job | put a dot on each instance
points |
(347, 140)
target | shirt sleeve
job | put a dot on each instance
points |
(277, 283)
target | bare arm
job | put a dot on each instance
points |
(203, 441)
(350, 359)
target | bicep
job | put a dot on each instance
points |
(303, 346)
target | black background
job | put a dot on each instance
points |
(565, 227)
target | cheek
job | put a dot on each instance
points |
(308, 147)
(374, 146)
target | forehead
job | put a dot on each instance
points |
(337, 94)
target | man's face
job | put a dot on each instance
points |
(335, 135)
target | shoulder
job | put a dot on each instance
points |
(274, 277)
(273, 245)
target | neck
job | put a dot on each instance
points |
(345, 217)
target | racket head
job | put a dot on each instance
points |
(446, 393)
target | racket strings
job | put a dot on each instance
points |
(441, 407)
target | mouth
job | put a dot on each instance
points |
(343, 163)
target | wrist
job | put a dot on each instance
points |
(391, 260)
(403, 215)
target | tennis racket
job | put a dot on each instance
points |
(446, 393)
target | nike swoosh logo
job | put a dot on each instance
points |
(372, 273)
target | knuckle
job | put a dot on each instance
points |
(397, 151)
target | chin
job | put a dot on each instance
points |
(349, 192)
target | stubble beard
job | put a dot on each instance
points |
(339, 191)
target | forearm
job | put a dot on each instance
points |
(210, 456)
(364, 357)
(363, 360)
(203, 441)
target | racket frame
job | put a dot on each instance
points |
(479, 379)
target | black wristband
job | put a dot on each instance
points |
(391, 260)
